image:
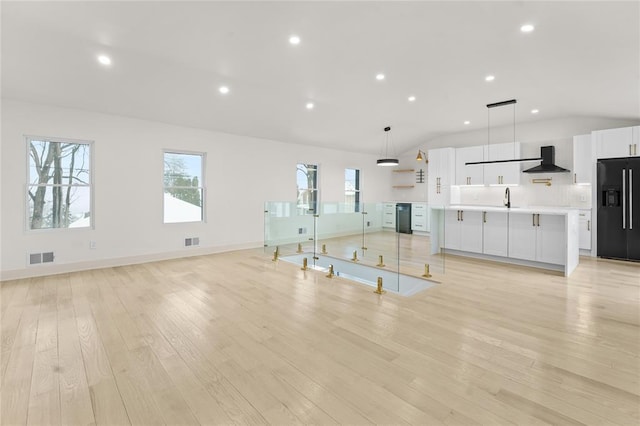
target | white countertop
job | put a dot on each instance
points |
(527, 209)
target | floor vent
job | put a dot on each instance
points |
(39, 258)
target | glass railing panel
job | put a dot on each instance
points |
(339, 230)
(288, 228)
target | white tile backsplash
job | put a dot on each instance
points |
(529, 194)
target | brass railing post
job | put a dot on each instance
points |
(330, 275)
(426, 271)
(380, 261)
(304, 264)
(276, 253)
(379, 289)
(324, 249)
(355, 256)
(299, 248)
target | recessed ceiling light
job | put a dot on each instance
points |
(104, 60)
(534, 111)
(489, 78)
(527, 28)
(411, 98)
(223, 89)
(294, 39)
(380, 76)
(310, 105)
(466, 123)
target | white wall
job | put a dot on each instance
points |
(242, 173)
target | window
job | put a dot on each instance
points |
(183, 187)
(307, 180)
(352, 190)
(59, 189)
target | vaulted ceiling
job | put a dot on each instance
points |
(169, 59)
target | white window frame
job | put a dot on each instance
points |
(202, 184)
(316, 189)
(27, 222)
(358, 191)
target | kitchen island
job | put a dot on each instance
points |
(543, 237)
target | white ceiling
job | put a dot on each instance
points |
(169, 58)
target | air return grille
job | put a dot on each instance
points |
(39, 258)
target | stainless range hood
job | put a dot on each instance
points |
(548, 154)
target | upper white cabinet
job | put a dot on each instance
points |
(502, 173)
(441, 175)
(615, 143)
(469, 175)
(582, 159)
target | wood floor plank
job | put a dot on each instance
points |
(237, 338)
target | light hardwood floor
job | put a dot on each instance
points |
(237, 338)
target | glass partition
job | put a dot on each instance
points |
(361, 241)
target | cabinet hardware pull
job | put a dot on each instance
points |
(533, 217)
(538, 219)
(631, 199)
(484, 217)
(588, 225)
(575, 178)
(462, 215)
(624, 199)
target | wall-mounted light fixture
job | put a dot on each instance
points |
(422, 156)
(386, 160)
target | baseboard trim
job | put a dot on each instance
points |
(65, 268)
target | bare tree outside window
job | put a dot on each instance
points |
(352, 190)
(307, 183)
(59, 189)
(183, 188)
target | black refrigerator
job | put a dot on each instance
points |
(619, 208)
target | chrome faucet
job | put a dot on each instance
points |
(507, 198)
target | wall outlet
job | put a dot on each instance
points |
(583, 198)
(93, 245)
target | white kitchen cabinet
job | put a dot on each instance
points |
(495, 231)
(584, 221)
(502, 173)
(550, 239)
(463, 230)
(419, 217)
(615, 143)
(441, 175)
(389, 215)
(469, 175)
(537, 237)
(582, 159)
(522, 236)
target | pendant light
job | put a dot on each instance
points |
(387, 161)
(515, 160)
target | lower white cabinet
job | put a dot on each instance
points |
(495, 229)
(389, 215)
(420, 217)
(584, 233)
(537, 237)
(463, 230)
